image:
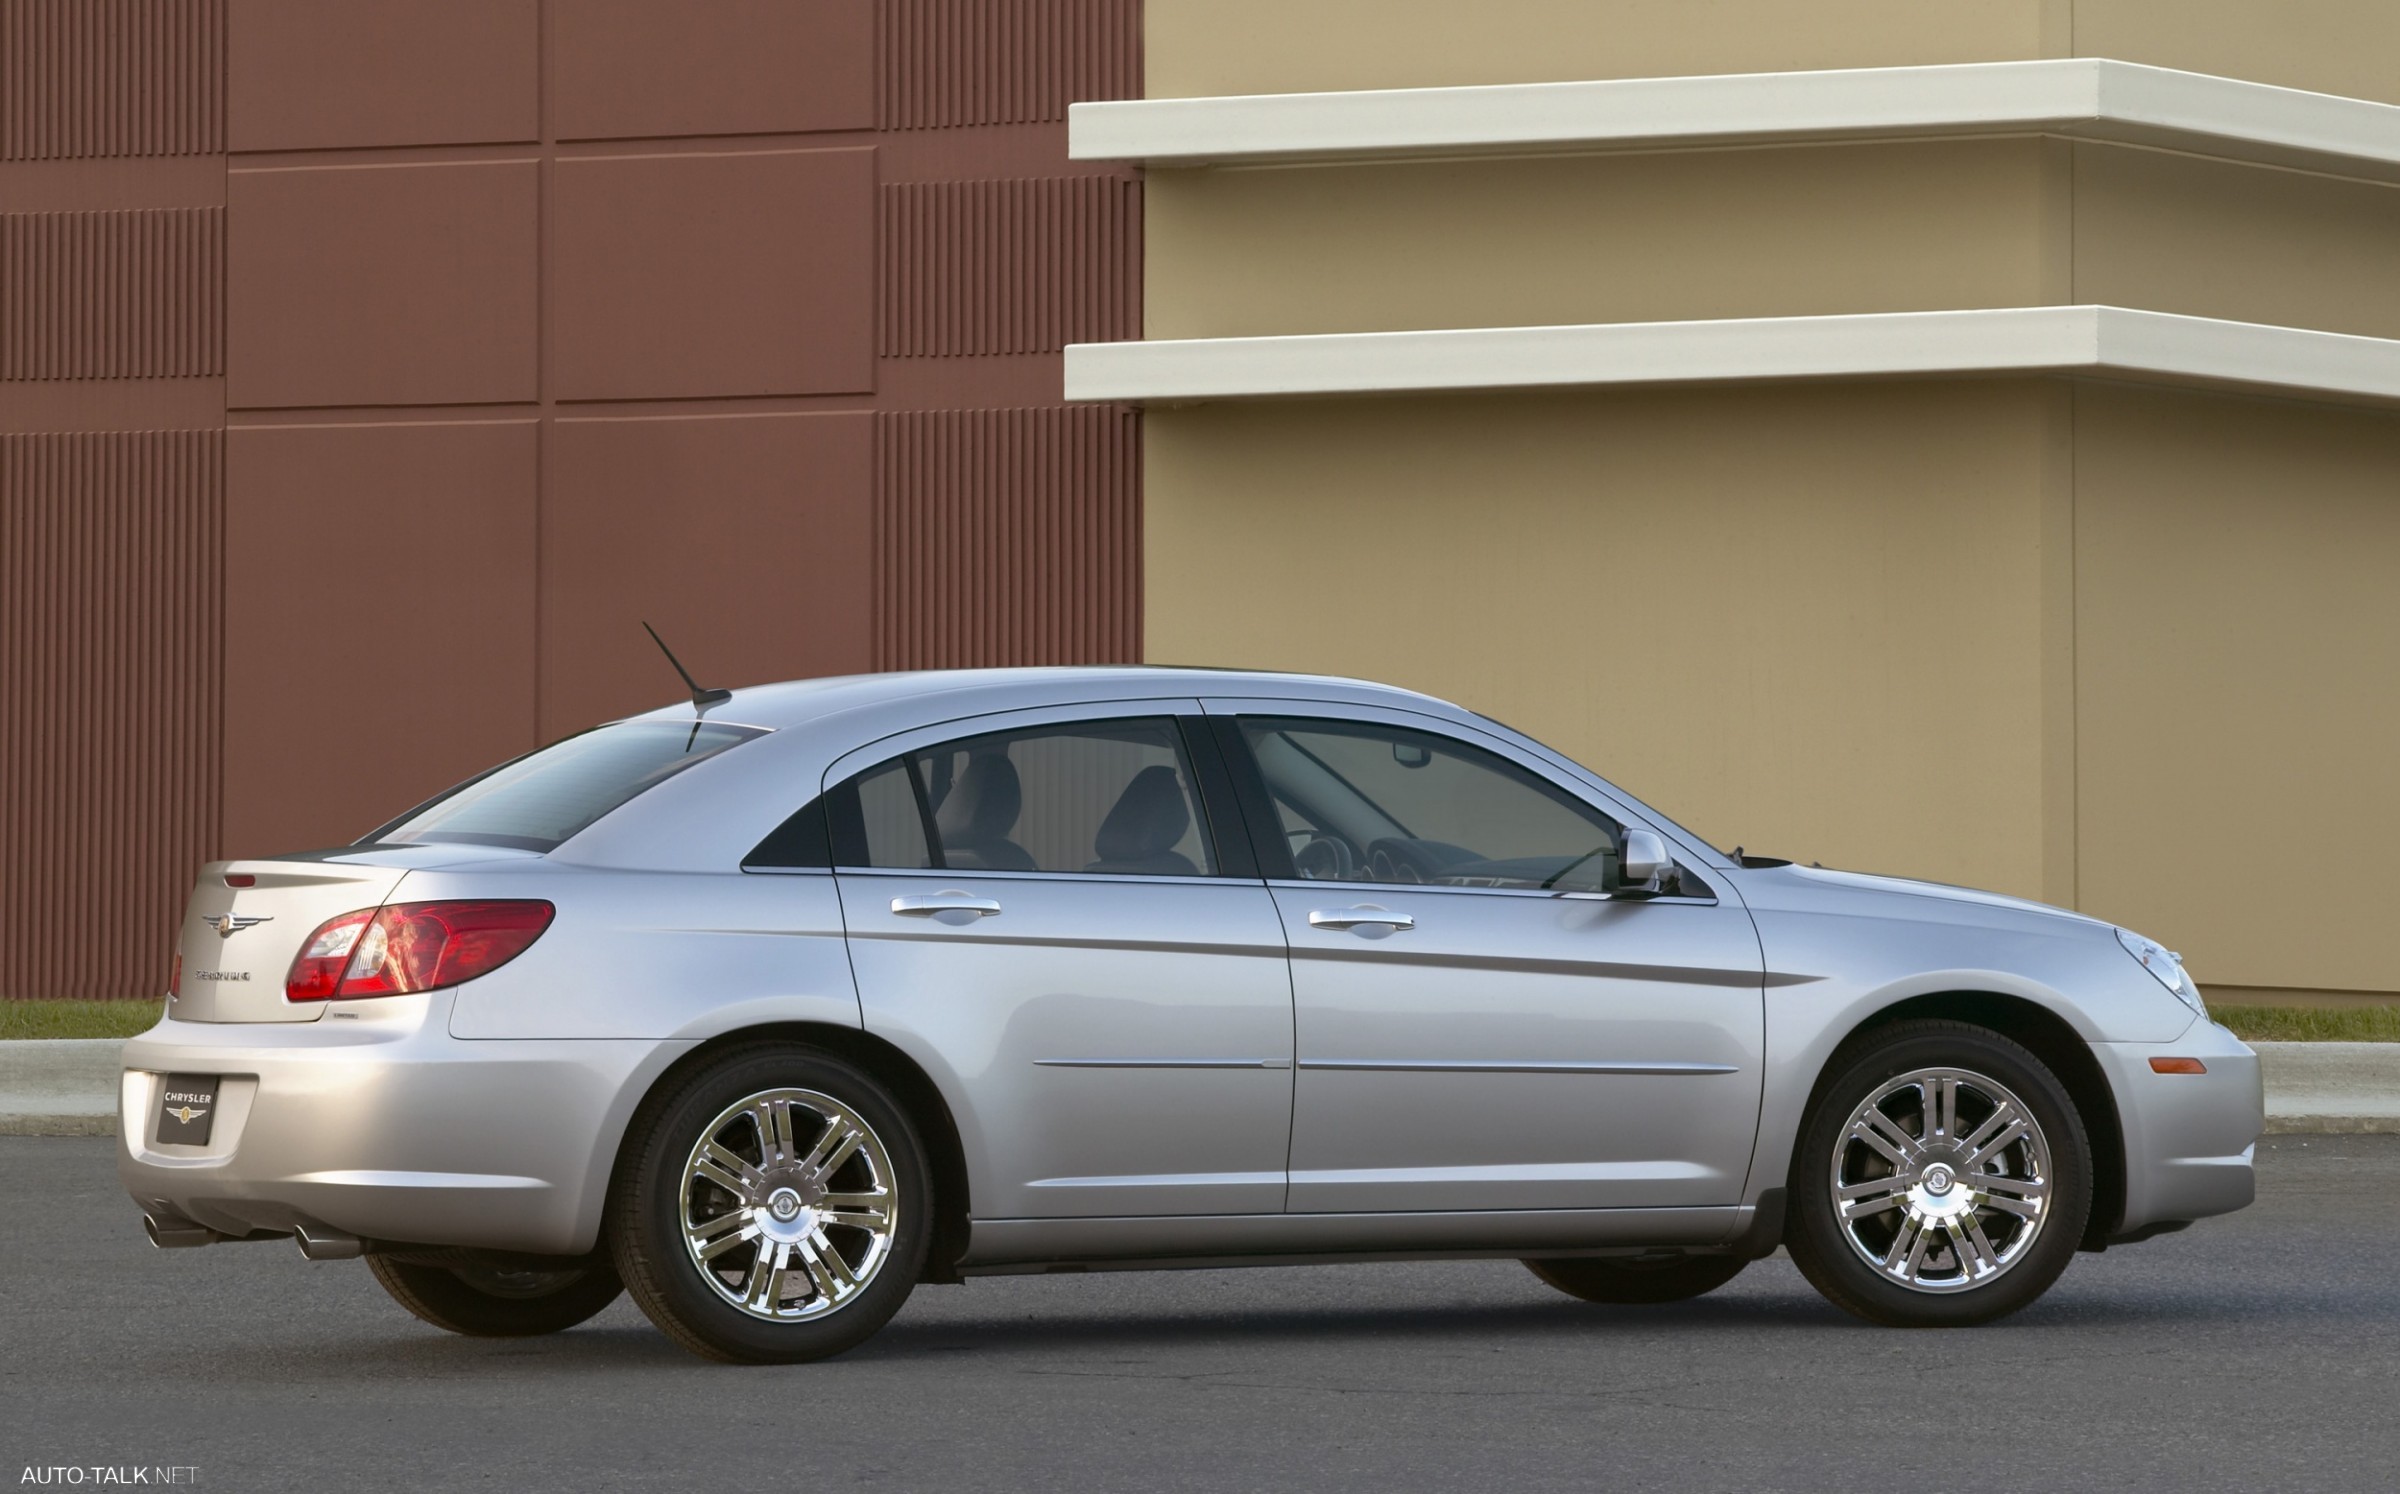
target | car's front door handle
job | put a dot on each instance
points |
(1366, 920)
(945, 907)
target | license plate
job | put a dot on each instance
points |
(187, 1107)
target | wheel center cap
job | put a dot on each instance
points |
(784, 1204)
(1939, 1180)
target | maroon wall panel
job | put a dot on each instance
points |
(744, 539)
(682, 275)
(1009, 537)
(127, 295)
(1010, 266)
(531, 319)
(984, 62)
(624, 68)
(379, 621)
(382, 285)
(308, 74)
(109, 551)
(111, 78)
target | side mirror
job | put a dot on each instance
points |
(1646, 863)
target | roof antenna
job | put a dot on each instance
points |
(701, 699)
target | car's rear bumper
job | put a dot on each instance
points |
(2188, 1137)
(377, 1123)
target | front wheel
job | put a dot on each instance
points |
(773, 1208)
(1943, 1178)
(482, 1302)
(1639, 1281)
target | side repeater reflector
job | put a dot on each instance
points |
(2177, 1066)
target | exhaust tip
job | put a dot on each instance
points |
(177, 1234)
(321, 1244)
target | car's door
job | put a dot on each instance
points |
(1479, 1024)
(1040, 912)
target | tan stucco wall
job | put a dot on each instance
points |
(1197, 47)
(1538, 240)
(2136, 651)
(2328, 46)
(1925, 225)
(1807, 620)
(2170, 232)
(2238, 702)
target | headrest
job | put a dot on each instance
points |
(1149, 818)
(983, 804)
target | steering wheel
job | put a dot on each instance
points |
(1324, 858)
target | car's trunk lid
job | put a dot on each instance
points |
(248, 919)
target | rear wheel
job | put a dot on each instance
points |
(481, 1302)
(774, 1208)
(1943, 1178)
(1638, 1280)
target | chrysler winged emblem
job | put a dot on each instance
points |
(185, 1114)
(229, 924)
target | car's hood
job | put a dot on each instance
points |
(1864, 882)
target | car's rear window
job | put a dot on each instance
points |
(540, 799)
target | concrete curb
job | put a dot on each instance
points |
(59, 1086)
(68, 1087)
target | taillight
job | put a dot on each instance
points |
(175, 976)
(405, 947)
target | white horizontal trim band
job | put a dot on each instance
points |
(2104, 341)
(2087, 97)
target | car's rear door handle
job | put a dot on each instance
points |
(1365, 920)
(945, 907)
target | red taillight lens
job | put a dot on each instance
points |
(175, 976)
(317, 970)
(404, 947)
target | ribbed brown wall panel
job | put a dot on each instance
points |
(970, 62)
(110, 559)
(1008, 537)
(111, 78)
(130, 295)
(1009, 266)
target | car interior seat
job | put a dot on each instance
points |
(1139, 836)
(976, 815)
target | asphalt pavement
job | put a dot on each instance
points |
(2260, 1351)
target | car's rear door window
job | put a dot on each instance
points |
(1102, 798)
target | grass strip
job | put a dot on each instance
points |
(2311, 1024)
(77, 1019)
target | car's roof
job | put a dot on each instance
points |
(794, 702)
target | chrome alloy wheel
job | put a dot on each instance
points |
(788, 1204)
(1941, 1180)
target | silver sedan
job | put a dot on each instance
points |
(768, 1007)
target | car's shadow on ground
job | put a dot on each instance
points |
(620, 1345)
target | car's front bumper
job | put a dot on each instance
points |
(377, 1123)
(2188, 1137)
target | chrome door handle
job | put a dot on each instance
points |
(1367, 920)
(952, 908)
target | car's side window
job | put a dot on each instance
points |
(1365, 802)
(1098, 797)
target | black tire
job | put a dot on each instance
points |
(692, 1303)
(1638, 1281)
(484, 1303)
(1831, 1256)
